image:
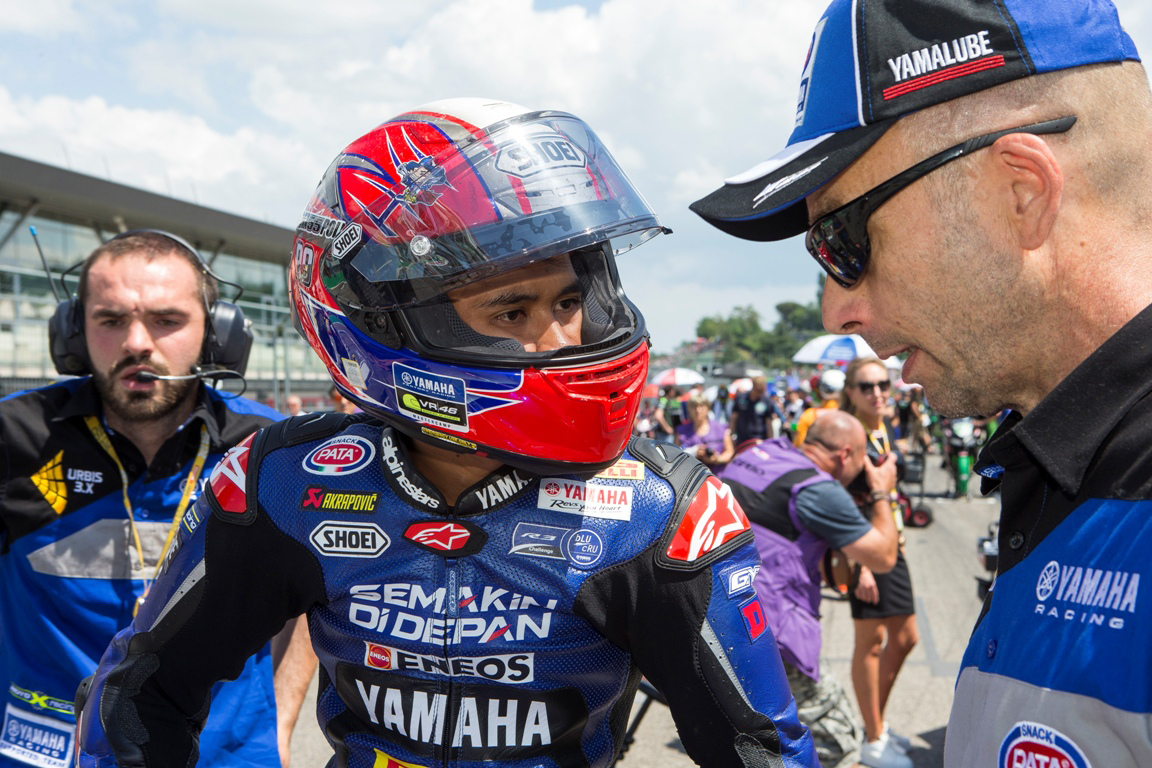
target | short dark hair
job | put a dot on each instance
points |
(150, 245)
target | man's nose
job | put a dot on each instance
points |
(138, 339)
(554, 335)
(843, 310)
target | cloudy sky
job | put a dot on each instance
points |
(240, 104)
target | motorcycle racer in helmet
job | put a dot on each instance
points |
(450, 196)
(488, 563)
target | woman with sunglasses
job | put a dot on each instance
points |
(882, 604)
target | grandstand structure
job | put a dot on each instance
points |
(73, 213)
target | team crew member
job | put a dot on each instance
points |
(975, 177)
(798, 506)
(96, 474)
(487, 561)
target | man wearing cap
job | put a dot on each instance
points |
(974, 177)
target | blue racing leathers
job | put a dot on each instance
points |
(512, 627)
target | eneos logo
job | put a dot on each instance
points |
(340, 456)
(377, 656)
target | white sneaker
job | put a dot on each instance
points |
(901, 742)
(882, 753)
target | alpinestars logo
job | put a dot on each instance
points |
(392, 460)
(713, 519)
(1090, 596)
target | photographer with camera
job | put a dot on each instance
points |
(703, 437)
(796, 501)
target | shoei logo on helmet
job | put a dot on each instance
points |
(539, 153)
(340, 456)
(347, 240)
(1033, 744)
(430, 398)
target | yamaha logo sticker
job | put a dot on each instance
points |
(340, 456)
(431, 398)
(1032, 744)
(345, 539)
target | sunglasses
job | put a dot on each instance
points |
(866, 387)
(839, 240)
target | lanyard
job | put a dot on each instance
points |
(101, 436)
(882, 446)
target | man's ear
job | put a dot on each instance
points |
(1033, 184)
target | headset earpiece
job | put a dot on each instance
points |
(66, 343)
(228, 338)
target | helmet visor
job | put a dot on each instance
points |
(522, 190)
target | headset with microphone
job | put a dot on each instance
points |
(227, 333)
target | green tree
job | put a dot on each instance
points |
(745, 340)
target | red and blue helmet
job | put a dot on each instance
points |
(446, 195)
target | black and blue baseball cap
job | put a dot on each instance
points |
(873, 61)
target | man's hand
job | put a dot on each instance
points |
(883, 477)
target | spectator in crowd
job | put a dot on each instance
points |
(752, 413)
(990, 218)
(883, 605)
(294, 405)
(722, 405)
(98, 472)
(793, 408)
(828, 387)
(701, 436)
(341, 404)
(796, 500)
(919, 438)
(667, 414)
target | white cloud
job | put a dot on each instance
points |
(241, 105)
(43, 18)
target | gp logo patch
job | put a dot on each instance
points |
(1033, 745)
(229, 478)
(340, 456)
(713, 519)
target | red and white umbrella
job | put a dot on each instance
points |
(676, 377)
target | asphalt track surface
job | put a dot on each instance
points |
(944, 564)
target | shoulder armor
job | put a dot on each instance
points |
(233, 495)
(308, 426)
(706, 523)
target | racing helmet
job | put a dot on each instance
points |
(441, 197)
(831, 382)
